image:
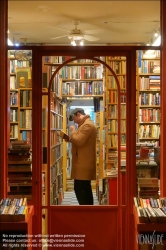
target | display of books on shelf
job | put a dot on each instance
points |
(20, 99)
(150, 209)
(13, 210)
(82, 87)
(148, 95)
(14, 98)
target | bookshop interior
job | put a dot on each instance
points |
(122, 89)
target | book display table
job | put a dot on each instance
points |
(17, 230)
(149, 234)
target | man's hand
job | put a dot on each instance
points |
(72, 128)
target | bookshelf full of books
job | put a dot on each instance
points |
(56, 152)
(20, 149)
(14, 113)
(79, 79)
(118, 65)
(149, 98)
(148, 123)
(100, 153)
(82, 78)
(20, 98)
(58, 157)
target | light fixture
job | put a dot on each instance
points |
(156, 34)
(76, 39)
(73, 42)
(82, 42)
(9, 38)
(148, 43)
(9, 42)
(76, 36)
(157, 42)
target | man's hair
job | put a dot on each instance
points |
(81, 112)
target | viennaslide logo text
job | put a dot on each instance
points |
(150, 239)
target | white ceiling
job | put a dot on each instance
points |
(113, 22)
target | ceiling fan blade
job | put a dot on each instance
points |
(90, 38)
(60, 28)
(58, 37)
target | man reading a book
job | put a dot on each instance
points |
(83, 142)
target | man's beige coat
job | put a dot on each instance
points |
(84, 151)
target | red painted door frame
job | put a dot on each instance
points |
(130, 53)
(37, 72)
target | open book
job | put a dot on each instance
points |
(63, 135)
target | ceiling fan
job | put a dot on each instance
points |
(77, 36)
(23, 55)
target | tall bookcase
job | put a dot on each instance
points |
(20, 99)
(112, 118)
(56, 154)
(20, 159)
(56, 171)
(148, 116)
(149, 99)
(100, 152)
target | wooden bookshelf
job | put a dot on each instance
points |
(118, 65)
(56, 153)
(149, 99)
(58, 156)
(109, 145)
(20, 87)
(101, 158)
(20, 99)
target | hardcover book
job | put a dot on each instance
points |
(63, 135)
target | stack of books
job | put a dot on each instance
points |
(19, 151)
(19, 170)
(148, 187)
(150, 209)
(113, 172)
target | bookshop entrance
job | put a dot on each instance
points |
(46, 85)
(98, 80)
(100, 85)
